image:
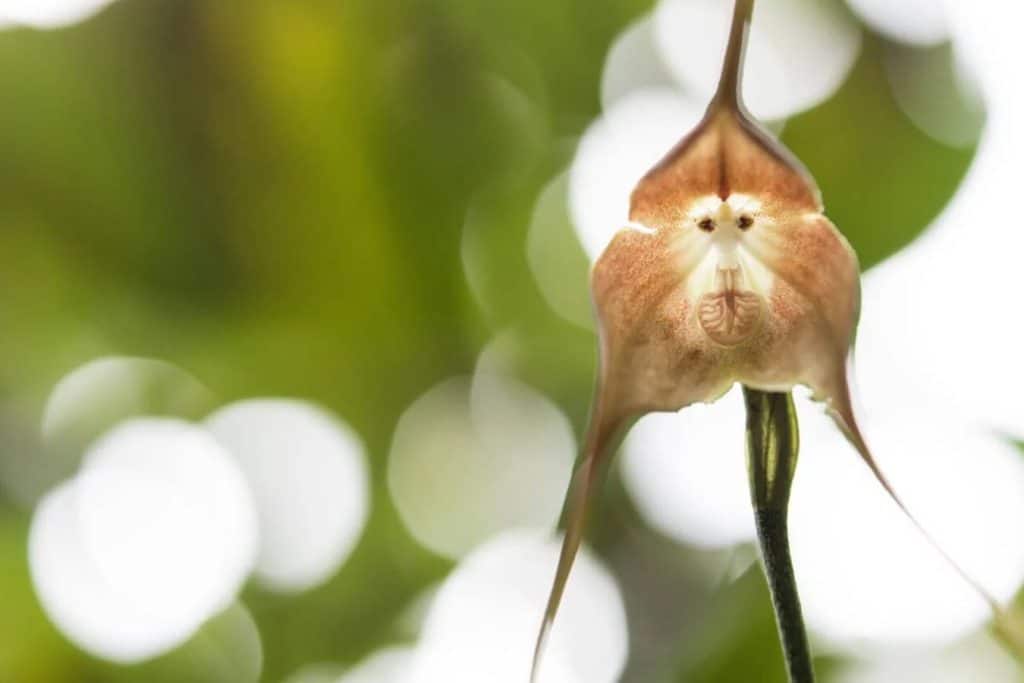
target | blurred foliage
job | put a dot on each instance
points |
(739, 638)
(883, 179)
(272, 195)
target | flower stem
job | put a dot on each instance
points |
(728, 94)
(773, 535)
(772, 447)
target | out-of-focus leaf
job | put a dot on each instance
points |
(738, 640)
(883, 180)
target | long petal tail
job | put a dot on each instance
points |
(602, 438)
(841, 411)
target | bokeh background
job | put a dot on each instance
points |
(296, 343)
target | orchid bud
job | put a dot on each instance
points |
(728, 271)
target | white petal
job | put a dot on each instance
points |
(310, 479)
(472, 458)
(800, 51)
(484, 621)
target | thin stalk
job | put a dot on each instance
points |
(603, 437)
(772, 447)
(773, 535)
(728, 94)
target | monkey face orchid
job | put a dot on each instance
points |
(727, 272)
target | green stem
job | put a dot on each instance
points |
(772, 447)
(772, 532)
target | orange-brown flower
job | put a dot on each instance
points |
(729, 272)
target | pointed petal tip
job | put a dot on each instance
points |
(603, 435)
(839, 407)
(538, 650)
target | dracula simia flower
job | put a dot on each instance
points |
(728, 271)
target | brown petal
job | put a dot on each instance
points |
(727, 153)
(676, 329)
(604, 433)
(663, 348)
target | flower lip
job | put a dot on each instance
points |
(731, 313)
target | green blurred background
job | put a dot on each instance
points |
(272, 195)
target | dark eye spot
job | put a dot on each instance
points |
(706, 224)
(745, 222)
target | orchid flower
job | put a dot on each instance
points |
(728, 271)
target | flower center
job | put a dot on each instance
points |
(728, 281)
(730, 313)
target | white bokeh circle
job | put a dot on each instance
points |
(49, 13)
(686, 473)
(868, 578)
(556, 260)
(114, 379)
(310, 481)
(167, 517)
(633, 63)
(86, 403)
(390, 665)
(614, 154)
(937, 89)
(473, 457)
(949, 338)
(484, 621)
(937, 316)
(77, 597)
(98, 394)
(918, 22)
(976, 658)
(155, 535)
(319, 672)
(799, 53)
